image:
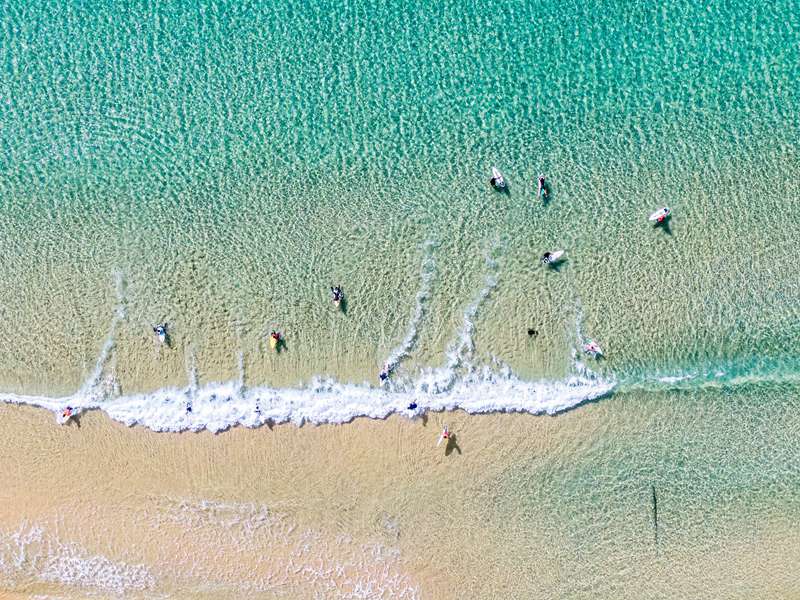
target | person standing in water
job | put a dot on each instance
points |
(542, 191)
(336, 295)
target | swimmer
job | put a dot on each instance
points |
(161, 332)
(337, 295)
(542, 191)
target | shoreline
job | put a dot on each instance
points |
(301, 510)
(218, 407)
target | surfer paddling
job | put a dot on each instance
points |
(660, 216)
(337, 295)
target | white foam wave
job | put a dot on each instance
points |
(439, 380)
(427, 272)
(32, 553)
(218, 406)
(672, 379)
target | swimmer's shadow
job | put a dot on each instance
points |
(547, 197)
(664, 225)
(505, 190)
(281, 346)
(452, 444)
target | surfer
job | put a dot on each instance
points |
(660, 216)
(498, 181)
(445, 435)
(547, 258)
(337, 295)
(161, 332)
(592, 347)
(542, 191)
(384, 374)
(66, 414)
(274, 339)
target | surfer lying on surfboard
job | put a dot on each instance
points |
(551, 258)
(660, 216)
(592, 347)
(498, 181)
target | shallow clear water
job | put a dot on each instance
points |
(225, 164)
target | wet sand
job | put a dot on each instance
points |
(518, 505)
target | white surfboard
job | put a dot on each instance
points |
(660, 214)
(499, 180)
(553, 258)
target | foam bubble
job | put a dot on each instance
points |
(287, 556)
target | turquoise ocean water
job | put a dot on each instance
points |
(219, 165)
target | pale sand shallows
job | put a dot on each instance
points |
(520, 506)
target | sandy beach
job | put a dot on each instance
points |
(373, 509)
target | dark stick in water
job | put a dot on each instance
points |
(655, 514)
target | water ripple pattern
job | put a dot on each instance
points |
(235, 160)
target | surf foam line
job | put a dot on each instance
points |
(459, 384)
(219, 406)
(723, 374)
(427, 272)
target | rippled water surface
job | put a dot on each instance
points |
(219, 166)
